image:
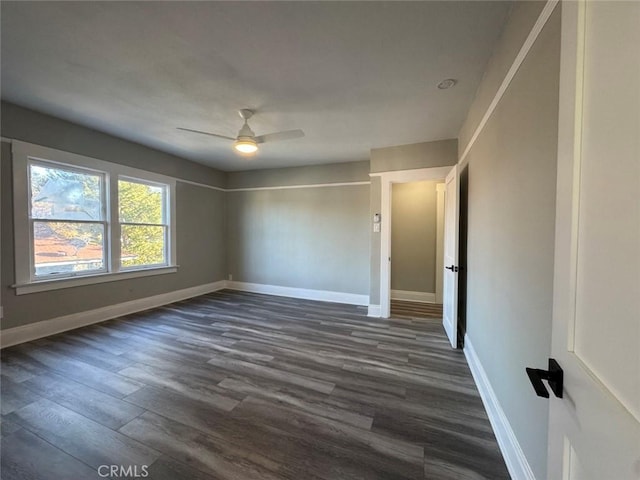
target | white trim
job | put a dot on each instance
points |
(373, 311)
(45, 328)
(386, 180)
(6, 140)
(514, 457)
(307, 294)
(45, 285)
(276, 187)
(517, 62)
(198, 184)
(414, 174)
(288, 187)
(419, 297)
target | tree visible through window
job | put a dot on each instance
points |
(143, 223)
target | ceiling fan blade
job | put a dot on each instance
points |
(274, 137)
(207, 133)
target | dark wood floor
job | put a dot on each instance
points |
(408, 309)
(243, 386)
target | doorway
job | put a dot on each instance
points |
(417, 220)
(387, 179)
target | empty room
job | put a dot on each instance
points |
(323, 240)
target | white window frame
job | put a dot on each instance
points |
(23, 153)
(166, 225)
(104, 207)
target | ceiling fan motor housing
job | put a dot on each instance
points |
(246, 131)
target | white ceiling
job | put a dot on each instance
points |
(352, 75)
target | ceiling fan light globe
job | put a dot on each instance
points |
(246, 146)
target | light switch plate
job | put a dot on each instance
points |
(376, 227)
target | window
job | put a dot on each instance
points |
(80, 220)
(67, 220)
(143, 225)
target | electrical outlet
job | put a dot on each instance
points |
(376, 227)
(230, 277)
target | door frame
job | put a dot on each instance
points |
(387, 179)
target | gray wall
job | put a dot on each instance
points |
(200, 220)
(314, 238)
(413, 237)
(375, 203)
(512, 180)
(307, 175)
(440, 153)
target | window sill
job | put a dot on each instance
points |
(60, 283)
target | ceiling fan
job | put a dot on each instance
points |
(247, 142)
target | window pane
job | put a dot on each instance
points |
(67, 247)
(62, 194)
(140, 202)
(142, 245)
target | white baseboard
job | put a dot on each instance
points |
(420, 297)
(307, 294)
(374, 311)
(517, 463)
(33, 331)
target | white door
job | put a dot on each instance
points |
(594, 430)
(450, 275)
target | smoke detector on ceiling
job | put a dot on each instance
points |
(448, 83)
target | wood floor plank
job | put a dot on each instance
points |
(95, 377)
(167, 468)
(315, 406)
(405, 308)
(27, 457)
(17, 367)
(260, 371)
(206, 393)
(7, 427)
(84, 439)
(93, 404)
(340, 377)
(192, 447)
(15, 395)
(68, 345)
(380, 453)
